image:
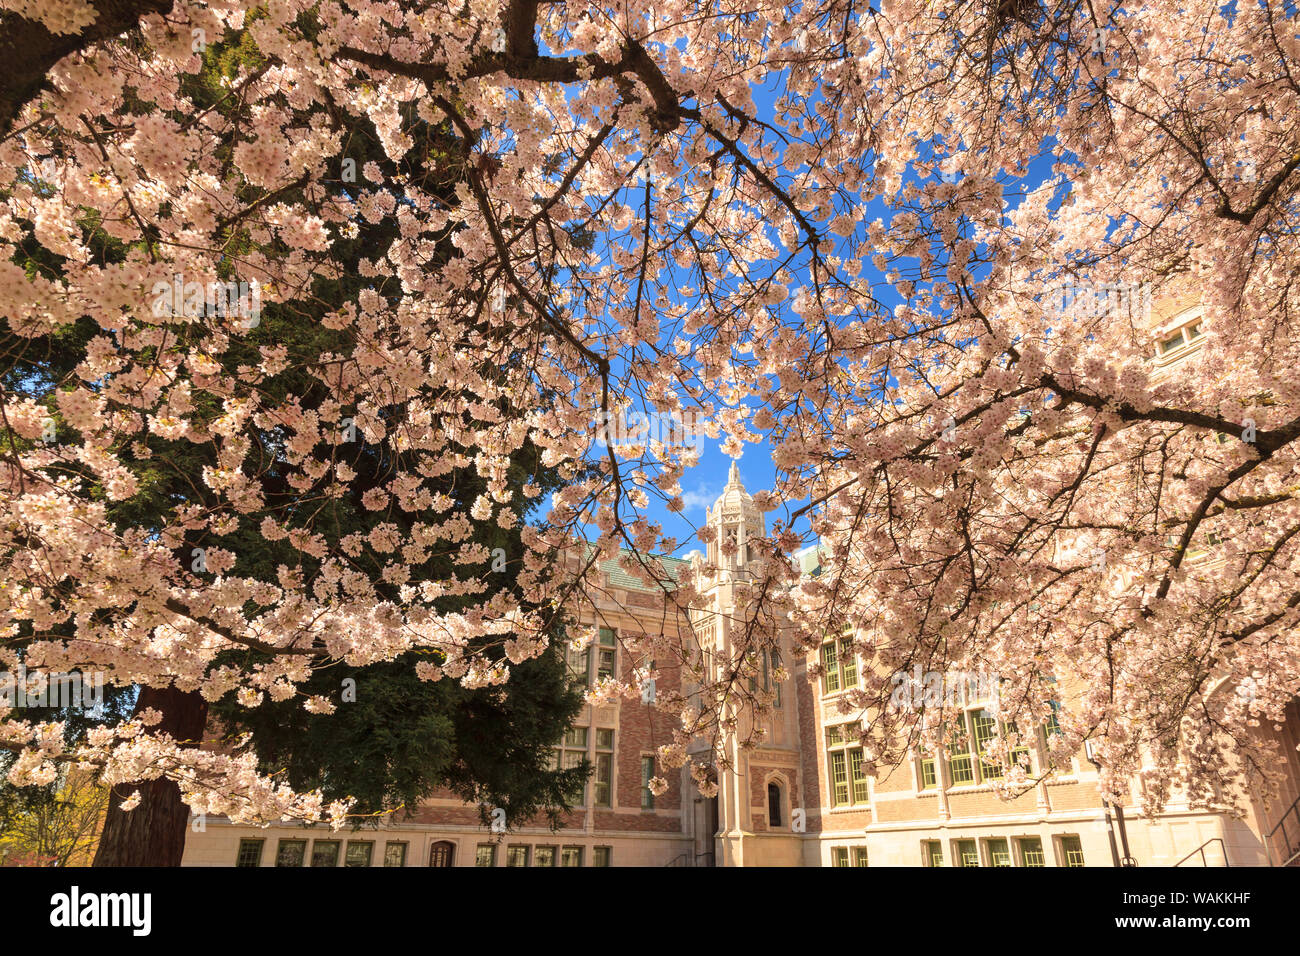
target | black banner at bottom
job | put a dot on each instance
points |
(138, 907)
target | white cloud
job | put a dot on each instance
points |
(699, 499)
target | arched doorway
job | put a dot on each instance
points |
(442, 854)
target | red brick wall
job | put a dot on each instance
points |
(639, 730)
(812, 787)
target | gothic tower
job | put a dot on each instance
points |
(733, 517)
(751, 821)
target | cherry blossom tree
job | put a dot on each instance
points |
(865, 268)
(1005, 480)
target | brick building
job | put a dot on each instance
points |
(799, 799)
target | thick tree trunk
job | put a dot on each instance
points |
(153, 834)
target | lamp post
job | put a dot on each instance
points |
(1127, 859)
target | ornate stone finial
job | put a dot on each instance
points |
(733, 476)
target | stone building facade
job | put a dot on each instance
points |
(800, 799)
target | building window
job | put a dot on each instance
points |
(1031, 851)
(1053, 726)
(443, 854)
(291, 853)
(647, 773)
(1071, 851)
(965, 853)
(1020, 754)
(849, 659)
(839, 778)
(848, 782)
(605, 652)
(544, 856)
(325, 853)
(929, 774)
(359, 853)
(959, 759)
(579, 663)
(839, 666)
(771, 661)
(571, 753)
(830, 669)
(516, 856)
(250, 853)
(984, 730)
(604, 768)
(485, 854)
(571, 856)
(932, 852)
(840, 856)
(602, 856)
(999, 852)
(394, 854)
(774, 805)
(1184, 335)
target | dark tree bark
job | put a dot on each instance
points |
(153, 834)
(28, 50)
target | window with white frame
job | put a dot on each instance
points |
(928, 772)
(839, 665)
(844, 758)
(970, 736)
(1182, 333)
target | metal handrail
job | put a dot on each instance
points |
(1223, 847)
(1291, 849)
(691, 859)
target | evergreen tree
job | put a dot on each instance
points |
(393, 739)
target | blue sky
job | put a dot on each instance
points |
(704, 483)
